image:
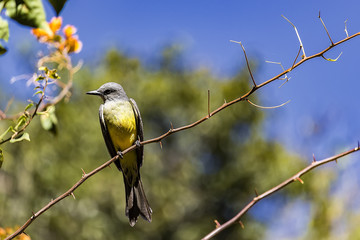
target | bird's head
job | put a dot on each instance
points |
(110, 91)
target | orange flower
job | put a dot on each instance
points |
(41, 34)
(73, 44)
(55, 24)
(69, 42)
(69, 30)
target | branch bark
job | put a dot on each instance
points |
(221, 227)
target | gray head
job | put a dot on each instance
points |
(110, 91)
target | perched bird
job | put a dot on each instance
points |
(122, 127)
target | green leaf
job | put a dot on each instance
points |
(7, 130)
(29, 106)
(27, 12)
(38, 92)
(25, 136)
(21, 120)
(57, 5)
(4, 34)
(1, 158)
(49, 120)
(4, 29)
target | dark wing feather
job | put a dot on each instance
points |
(107, 138)
(140, 132)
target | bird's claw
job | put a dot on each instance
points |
(137, 143)
(120, 154)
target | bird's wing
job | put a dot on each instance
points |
(140, 132)
(107, 138)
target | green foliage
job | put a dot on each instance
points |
(4, 33)
(48, 119)
(205, 173)
(26, 12)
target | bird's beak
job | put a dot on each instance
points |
(95, 92)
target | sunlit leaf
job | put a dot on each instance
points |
(30, 13)
(25, 136)
(49, 120)
(4, 133)
(29, 106)
(4, 29)
(38, 92)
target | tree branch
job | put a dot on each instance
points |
(174, 130)
(220, 227)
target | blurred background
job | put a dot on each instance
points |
(167, 56)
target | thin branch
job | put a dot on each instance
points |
(209, 113)
(286, 78)
(346, 31)
(327, 32)
(296, 57)
(297, 33)
(170, 132)
(292, 179)
(247, 62)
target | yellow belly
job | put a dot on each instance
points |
(121, 123)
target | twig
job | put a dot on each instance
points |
(346, 31)
(168, 133)
(332, 43)
(247, 62)
(297, 33)
(31, 116)
(209, 114)
(296, 57)
(292, 179)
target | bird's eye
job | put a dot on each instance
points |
(107, 91)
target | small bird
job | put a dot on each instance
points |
(122, 127)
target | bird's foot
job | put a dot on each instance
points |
(137, 143)
(120, 154)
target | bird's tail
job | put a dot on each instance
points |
(136, 202)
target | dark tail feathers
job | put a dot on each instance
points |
(136, 203)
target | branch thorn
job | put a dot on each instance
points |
(171, 126)
(209, 114)
(84, 173)
(314, 160)
(247, 62)
(256, 193)
(332, 43)
(73, 195)
(347, 34)
(160, 144)
(217, 223)
(299, 179)
(241, 224)
(297, 33)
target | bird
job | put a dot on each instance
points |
(122, 126)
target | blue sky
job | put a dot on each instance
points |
(320, 91)
(322, 117)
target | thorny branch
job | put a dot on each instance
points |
(174, 130)
(220, 227)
